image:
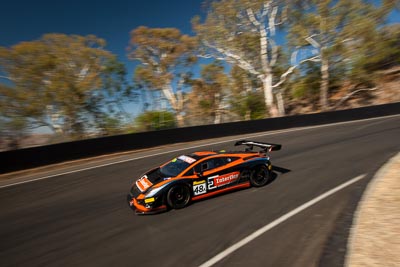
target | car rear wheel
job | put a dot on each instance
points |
(260, 176)
(178, 196)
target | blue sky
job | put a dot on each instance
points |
(110, 20)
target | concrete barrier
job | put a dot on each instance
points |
(21, 159)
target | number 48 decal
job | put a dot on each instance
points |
(199, 188)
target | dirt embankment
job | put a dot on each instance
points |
(375, 234)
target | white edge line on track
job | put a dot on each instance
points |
(276, 222)
(180, 149)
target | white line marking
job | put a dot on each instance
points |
(209, 144)
(276, 222)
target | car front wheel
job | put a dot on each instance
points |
(178, 196)
(260, 176)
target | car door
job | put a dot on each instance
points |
(216, 176)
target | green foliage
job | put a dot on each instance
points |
(164, 54)
(246, 101)
(161, 51)
(111, 125)
(230, 31)
(242, 33)
(338, 31)
(307, 85)
(155, 120)
(12, 130)
(381, 50)
(208, 92)
(376, 47)
(60, 81)
(249, 107)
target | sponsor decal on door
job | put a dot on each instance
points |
(221, 180)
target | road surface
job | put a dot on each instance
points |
(81, 218)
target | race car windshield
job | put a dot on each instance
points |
(176, 166)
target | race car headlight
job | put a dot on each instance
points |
(154, 191)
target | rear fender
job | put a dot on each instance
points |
(255, 162)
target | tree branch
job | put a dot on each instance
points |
(313, 42)
(211, 56)
(265, 9)
(169, 94)
(83, 72)
(346, 97)
(234, 58)
(274, 52)
(252, 18)
(291, 69)
(179, 94)
(7, 78)
(271, 21)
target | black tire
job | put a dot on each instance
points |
(178, 196)
(260, 176)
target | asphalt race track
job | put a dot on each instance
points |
(82, 218)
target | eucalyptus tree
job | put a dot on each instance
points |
(164, 54)
(243, 33)
(334, 30)
(56, 81)
(246, 99)
(207, 100)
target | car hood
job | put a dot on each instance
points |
(147, 182)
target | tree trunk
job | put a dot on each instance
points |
(267, 70)
(217, 119)
(268, 95)
(247, 116)
(218, 111)
(176, 103)
(324, 101)
(179, 119)
(281, 103)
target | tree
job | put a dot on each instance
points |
(110, 125)
(109, 114)
(12, 128)
(246, 95)
(243, 33)
(206, 101)
(56, 81)
(377, 52)
(165, 54)
(155, 120)
(330, 28)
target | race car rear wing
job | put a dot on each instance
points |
(265, 146)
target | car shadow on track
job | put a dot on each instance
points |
(280, 169)
(275, 171)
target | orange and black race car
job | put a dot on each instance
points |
(195, 176)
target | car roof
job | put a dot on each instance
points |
(198, 155)
(202, 154)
